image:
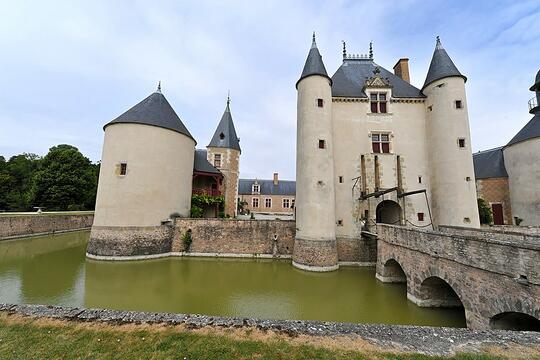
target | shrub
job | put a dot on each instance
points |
(187, 240)
(196, 211)
(486, 217)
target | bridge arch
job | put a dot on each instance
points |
(388, 212)
(434, 291)
(392, 272)
(512, 320)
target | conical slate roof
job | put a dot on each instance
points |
(225, 135)
(441, 66)
(155, 110)
(314, 64)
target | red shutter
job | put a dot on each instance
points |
(376, 147)
(385, 147)
(383, 107)
(374, 107)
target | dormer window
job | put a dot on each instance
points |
(378, 103)
(221, 136)
(255, 189)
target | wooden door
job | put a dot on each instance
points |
(497, 214)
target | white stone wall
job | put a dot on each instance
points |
(521, 161)
(315, 217)
(451, 167)
(158, 180)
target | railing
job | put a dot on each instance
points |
(206, 191)
(533, 103)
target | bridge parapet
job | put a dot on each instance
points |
(489, 273)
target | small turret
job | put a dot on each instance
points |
(315, 242)
(224, 153)
(453, 191)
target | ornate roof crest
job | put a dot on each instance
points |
(376, 81)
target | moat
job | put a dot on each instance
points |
(54, 270)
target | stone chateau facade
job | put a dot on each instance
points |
(373, 148)
(267, 196)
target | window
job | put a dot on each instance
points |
(222, 136)
(286, 203)
(255, 202)
(255, 188)
(123, 169)
(322, 144)
(341, 179)
(217, 160)
(420, 216)
(461, 142)
(419, 179)
(320, 102)
(430, 108)
(380, 143)
(268, 203)
(378, 102)
(459, 104)
(340, 222)
(292, 203)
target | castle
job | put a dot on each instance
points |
(372, 148)
(150, 169)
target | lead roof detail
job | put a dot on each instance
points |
(225, 134)
(155, 110)
(441, 66)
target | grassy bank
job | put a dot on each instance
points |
(25, 338)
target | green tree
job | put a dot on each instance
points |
(66, 180)
(20, 169)
(486, 217)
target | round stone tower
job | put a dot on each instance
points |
(453, 190)
(145, 177)
(521, 159)
(315, 243)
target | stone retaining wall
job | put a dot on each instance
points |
(235, 236)
(419, 339)
(27, 225)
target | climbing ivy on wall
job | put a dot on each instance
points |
(486, 217)
(200, 202)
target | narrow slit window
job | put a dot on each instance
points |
(341, 179)
(459, 104)
(320, 103)
(322, 144)
(340, 222)
(419, 179)
(123, 169)
(217, 160)
(420, 216)
(461, 142)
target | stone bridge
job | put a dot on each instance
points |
(493, 275)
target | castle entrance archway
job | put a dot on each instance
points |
(388, 212)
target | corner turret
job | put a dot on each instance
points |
(453, 194)
(224, 153)
(315, 246)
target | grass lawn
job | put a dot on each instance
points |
(25, 338)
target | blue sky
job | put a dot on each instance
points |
(69, 67)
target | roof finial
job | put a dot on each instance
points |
(439, 44)
(344, 49)
(159, 87)
(371, 50)
(313, 43)
(228, 97)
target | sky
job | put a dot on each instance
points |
(69, 67)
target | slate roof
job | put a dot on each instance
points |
(536, 86)
(489, 164)
(155, 110)
(529, 131)
(267, 187)
(441, 66)
(314, 64)
(225, 134)
(201, 163)
(349, 79)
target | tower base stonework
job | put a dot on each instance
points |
(315, 255)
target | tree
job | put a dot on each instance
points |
(20, 169)
(486, 217)
(66, 180)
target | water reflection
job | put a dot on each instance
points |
(54, 270)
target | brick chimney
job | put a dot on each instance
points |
(276, 181)
(401, 69)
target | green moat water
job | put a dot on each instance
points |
(54, 270)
